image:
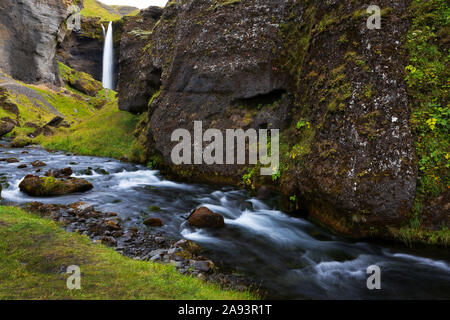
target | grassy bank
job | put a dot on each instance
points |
(108, 133)
(100, 128)
(33, 250)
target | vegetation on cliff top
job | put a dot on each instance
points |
(34, 250)
(92, 8)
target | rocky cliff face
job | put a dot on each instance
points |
(313, 69)
(30, 30)
(310, 68)
(138, 78)
(83, 50)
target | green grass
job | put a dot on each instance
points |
(74, 105)
(33, 249)
(108, 133)
(412, 236)
(93, 8)
(427, 75)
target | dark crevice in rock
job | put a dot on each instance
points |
(261, 99)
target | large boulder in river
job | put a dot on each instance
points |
(205, 218)
(49, 186)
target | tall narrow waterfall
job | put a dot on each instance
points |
(108, 58)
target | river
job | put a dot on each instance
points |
(288, 256)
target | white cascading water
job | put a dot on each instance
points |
(108, 58)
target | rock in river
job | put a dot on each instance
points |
(20, 142)
(38, 163)
(153, 222)
(59, 173)
(205, 218)
(50, 186)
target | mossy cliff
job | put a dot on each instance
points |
(340, 92)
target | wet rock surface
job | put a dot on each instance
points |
(59, 173)
(205, 218)
(153, 222)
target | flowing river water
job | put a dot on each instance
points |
(290, 257)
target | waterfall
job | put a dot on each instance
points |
(108, 58)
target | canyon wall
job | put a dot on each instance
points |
(29, 33)
(313, 69)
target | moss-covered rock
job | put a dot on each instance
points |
(20, 142)
(80, 81)
(49, 186)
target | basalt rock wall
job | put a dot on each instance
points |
(29, 33)
(312, 69)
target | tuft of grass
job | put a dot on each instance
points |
(34, 250)
(411, 236)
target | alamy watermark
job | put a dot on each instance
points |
(73, 22)
(374, 21)
(228, 149)
(74, 280)
(374, 280)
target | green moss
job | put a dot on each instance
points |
(75, 106)
(427, 76)
(153, 98)
(223, 3)
(296, 40)
(411, 236)
(50, 184)
(303, 146)
(21, 141)
(33, 249)
(336, 90)
(80, 81)
(154, 209)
